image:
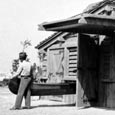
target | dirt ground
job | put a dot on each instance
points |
(45, 107)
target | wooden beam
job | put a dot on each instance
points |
(90, 23)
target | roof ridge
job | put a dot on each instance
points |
(99, 5)
(95, 7)
(48, 39)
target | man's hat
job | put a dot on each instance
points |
(22, 55)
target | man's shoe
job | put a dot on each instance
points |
(14, 108)
(26, 107)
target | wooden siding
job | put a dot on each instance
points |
(107, 73)
(64, 54)
(87, 72)
(72, 61)
(44, 63)
(104, 70)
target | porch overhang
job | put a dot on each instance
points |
(88, 23)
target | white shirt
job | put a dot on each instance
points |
(24, 69)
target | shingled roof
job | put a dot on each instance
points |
(47, 40)
(91, 9)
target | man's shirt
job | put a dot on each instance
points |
(24, 69)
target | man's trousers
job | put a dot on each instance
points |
(24, 90)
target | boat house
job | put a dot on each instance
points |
(59, 60)
(90, 37)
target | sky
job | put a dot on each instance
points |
(19, 21)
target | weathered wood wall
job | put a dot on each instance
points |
(87, 72)
(107, 72)
(60, 63)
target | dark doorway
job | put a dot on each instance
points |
(87, 82)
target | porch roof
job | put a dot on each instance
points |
(85, 23)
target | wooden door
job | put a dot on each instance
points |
(55, 65)
(55, 68)
(107, 72)
(87, 71)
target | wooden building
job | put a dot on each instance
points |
(94, 30)
(59, 61)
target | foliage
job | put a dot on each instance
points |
(15, 64)
(25, 44)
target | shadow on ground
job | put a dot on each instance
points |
(59, 105)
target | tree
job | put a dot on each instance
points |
(25, 44)
(15, 62)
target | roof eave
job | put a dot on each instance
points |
(88, 23)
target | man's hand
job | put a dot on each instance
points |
(19, 76)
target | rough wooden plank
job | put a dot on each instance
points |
(72, 74)
(69, 99)
(73, 65)
(104, 70)
(72, 69)
(86, 82)
(111, 86)
(72, 61)
(73, 57)
(66, 63)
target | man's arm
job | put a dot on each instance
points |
(20, 68)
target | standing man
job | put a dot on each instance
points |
(24, 73)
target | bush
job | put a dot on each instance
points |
(1, 84)
(6, 81)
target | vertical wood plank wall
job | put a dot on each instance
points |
(107, 73)
(87, 72)
(72, 61)
(69, 63)
(105, 52)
